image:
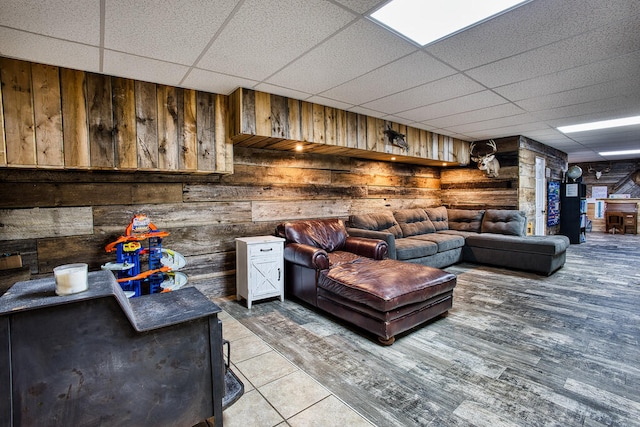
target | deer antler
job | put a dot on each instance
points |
(471, 147)
(492, 144)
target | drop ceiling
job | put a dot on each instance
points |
(542, 65)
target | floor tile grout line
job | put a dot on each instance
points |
(331, 393)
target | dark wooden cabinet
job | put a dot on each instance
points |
(573, 211)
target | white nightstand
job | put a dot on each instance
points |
(259, 268)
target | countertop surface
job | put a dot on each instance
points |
(145, 313)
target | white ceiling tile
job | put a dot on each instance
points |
(358, 49)
(367, 111)
(135, 67)
(455, 106)
(622, 67)
(597, 45)
(413, 70)
(282, 91)
(613, 90)
(329, 102)
(603, 109)
(498, 123)
(362, 6)
(146, 28)
(74, 20)
(264, 36)
(527, 27)
(47, 50)
(430, 93)
(209, 81)
(505, 110)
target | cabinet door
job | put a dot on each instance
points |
(266, 276)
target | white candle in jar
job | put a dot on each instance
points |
(70, 278)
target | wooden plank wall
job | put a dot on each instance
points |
(555, 161)
(59, 118)
(271, 121)
(57, 217)
(470, 188)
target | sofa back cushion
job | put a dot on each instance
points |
(510, 222)
(382, 221)
(329, 234)
(465, 219)
(438, 217)
(414, 222)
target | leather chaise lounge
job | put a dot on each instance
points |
(352, 279)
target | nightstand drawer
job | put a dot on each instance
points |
(264, 249)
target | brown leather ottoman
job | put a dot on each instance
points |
(385, 297)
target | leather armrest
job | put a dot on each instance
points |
(370, 248)
(307, 256)
(382, 235)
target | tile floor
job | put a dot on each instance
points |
(276, 392)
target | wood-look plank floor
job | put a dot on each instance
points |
(517, 349)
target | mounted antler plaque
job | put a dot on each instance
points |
(487, 161)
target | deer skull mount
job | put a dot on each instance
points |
(396, 138)
(486, 162)
(599, 173)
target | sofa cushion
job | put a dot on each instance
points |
(465, 219)
(381, 221)
(444, 241)
(409, 248)
(545, 245)
(414, 221)
(328, 234)
(438, 217)
(510, 222)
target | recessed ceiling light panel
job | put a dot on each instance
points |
(425, 21)
(619, 153)
(604, 124)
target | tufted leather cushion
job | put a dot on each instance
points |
(413, 222)
(328, 234)
(509, 222)
(438, 217)
(381, 221)
(465, 219)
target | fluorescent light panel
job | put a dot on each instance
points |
(619, 153)
(425, 21)
(604, 124)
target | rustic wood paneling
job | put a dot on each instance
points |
(48, 115)
(45, 222)
(146, 125)
(18, 112)
(188, 139)
(3, 139)
(53, 117)
(167, 127)
(286, 210)
(88, 249)
(284, 123)
(205, 117)
(100, 107)
(124, 123)
(74, 112)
